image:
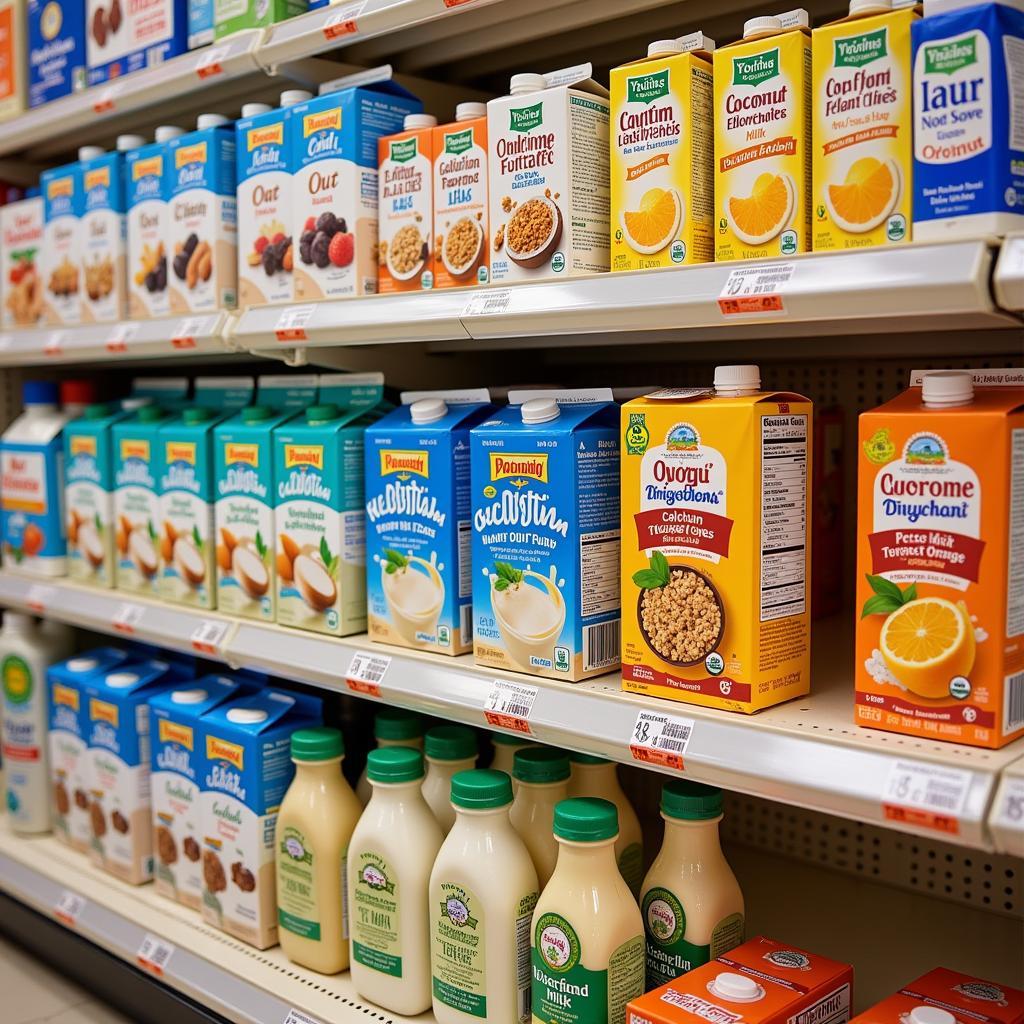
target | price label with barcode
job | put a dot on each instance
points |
(187, 331)
(68, 908)
(343, 21)
(660, 738)
(291, 324)
(1010, 808)
(209, 62)
(106, 100)
(208, 636)
(154, 954)
(120, 335)
(6, 341)
(756, 289)
(39, 598)
(927, 795)
(298, 1017)
(488, 303)
(54, 344)
(510, 704)
(126, 618)
(366, 672)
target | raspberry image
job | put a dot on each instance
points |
(341, 249)
(261, 243)
(279, 237)
(310, 224)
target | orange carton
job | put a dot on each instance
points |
(940, 559)
(947, 997)
(760, 982)
(716, 506)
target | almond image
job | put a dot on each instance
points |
(250, 571)
(314, 582)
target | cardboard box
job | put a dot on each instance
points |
(21, 275)
(56, 49)
(13, 51)
(124, 37)
(234, 15)
(104, 289)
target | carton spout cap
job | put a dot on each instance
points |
(290, 97)
(246, 716)
(737, 988)
(947, 387)
(413, 121)
(663, 46)
(731, 379)
(764, 26)
(166, 132)
(539, 410)
(870, 6)
(210, 121)
(930, 1015)
(428, 410)
(252, 109)
(470, 111)
(526, 82)
(126, 142)
(90, 152)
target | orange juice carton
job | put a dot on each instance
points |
(716, 506)
(548, 177)
(662, 156)
(943, 996)
(760, 982)
(863, 142)
(940, 559)
(763, 140)
(460, 199)
(405, 206)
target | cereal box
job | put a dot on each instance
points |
(124, 37)
(662, 156)
(21, 280)
(61, 254)
(763, 140)
(103, 239)
(13, 50)
(716, 504)
(863, 144)
(548, 178)
(940, 559)
(56, 49)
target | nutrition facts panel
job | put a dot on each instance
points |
(783, 515)
(599, 572)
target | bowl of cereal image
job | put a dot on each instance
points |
(461, 247)
(407, 252)
(533, 232)
(683, 620)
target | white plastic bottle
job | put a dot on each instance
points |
(389, 862)
(450, 749)
(23, 663)
(587, 938)
(691, 902)
(505, 747)
(543, 777)
(392, 727)
(482, 893)
(596, 777)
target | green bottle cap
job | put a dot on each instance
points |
(394, 765)
(322, 413)
(397, 724)
(690, 801)
(97, 410)
(540, 764)
(480, 789)
(578, 758)
(511, 740)
(586, 819)
(150, 414)
(319, 744)
(450, 743)
(197, 414)
(256, 413)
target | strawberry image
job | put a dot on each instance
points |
(278, 237)
(261, 243)
(310, 224)
(342, 249)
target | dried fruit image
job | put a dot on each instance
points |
(61, 799)
(213, 872)
(120, 822)
(191, 849)
(99, 821)
(325, 241)
(193, 261)
(166, 848)
(81, 799)
(272, 249)
(243, 877)
(63, 279)
(99, 278)
(152, 271)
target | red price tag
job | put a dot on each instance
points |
(340, 28)
(509, 706)
(209, 64)
(366, 672)
(185, 335)
(343, 21)
(926, 795)
(661, 739)
(291, 324)
(922, 819)
(126, 617)
(54, 343)
(209, 635)
(457, 3)
(751, 304)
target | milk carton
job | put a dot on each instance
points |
(200, 23)
(319, 516)
(202, 223)
(102, 233)
(21, 280)
(968, 148)
(61, 255)
(56, 49)
(118, 755)
(72, 823)
(245, 770)
(419, 574)
(545, 486)
(334, 163)
(548, 178)
(176, 760)
(126, 37)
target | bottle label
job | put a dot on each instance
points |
(524, 986)
(631, 867)
(566, 992)
(298, 907)
(376, 921)
(458, 960)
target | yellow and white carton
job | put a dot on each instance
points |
(716, 496)
(763, 140)
(662, 159)
(862, 137)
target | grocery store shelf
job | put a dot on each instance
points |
(1007, 818)
(1008, 277)
(244, 985)
(807, 752)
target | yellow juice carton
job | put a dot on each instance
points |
(862, 139)
(716, 502)
(763, 140)
(662, 156)
(940, 559)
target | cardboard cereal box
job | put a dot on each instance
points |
(21, 279)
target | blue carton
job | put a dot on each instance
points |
(61, 256)
(142, 35)
(103, 238)
(200, 23)
(56, 49)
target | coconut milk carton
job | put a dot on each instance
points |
(545, 487)
(245, 770)
(67, 737)
(61, 255)
(146, 202)
(548, 177)
(21, 279)
(419, 573)
(177, 783)
(103, 239)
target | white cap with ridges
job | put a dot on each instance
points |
(763, 26)
(947, 387)
(211, 121)
(470, 110)
(428, 410)
(526, 81)
(166, 132)
(127, 142)
(292, 96)
(666, 46)
(539, 410)
(252, 109)
(90, 152)
(419, 121)
(742, 377)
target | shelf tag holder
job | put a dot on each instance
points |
(366, 672)
(661, 739)
(509, 706)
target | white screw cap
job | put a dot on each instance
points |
(292, 96)
(539, 410)
(526, 82)
(127, 142)
(252, 109)
(744, 377)
(666, 46)
(78, 665)
(189, 696)
(738, 988)
(469, 111)
(947, 387)
(119, 680)
(870, 6)
(763, 26)
(90, 152)
(428, 410)
(930, 1015)
(419, 121)
(246, 716)
(18, 622)
(166, 132)
(210, 121)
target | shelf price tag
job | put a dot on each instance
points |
(69, 907)
(185, 335)
(154, 954)
(39, 597)
(291, 324)
(488, 303)
(209, 64)
(1010, 810)
(343, 21)
(661, 739)
(54, 344)
(298, 1017)
(457, 3)
(104, 102)
(755, 289)
(366, 672)
(126, 618)
(6, 341)
(208, 636)
(509, 705)
(120, 336)
(929, 796)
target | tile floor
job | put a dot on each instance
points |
(34, 993)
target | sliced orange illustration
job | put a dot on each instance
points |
(866, 197)
(759, 217)
(653, 226)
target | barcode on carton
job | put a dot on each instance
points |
(1013, 702)
(601, 645)
(831, 1009)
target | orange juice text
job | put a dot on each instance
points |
(863, 143)
(940, 559)
(661, 156)
(762, 140)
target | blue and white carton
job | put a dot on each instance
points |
(104, 298)
(60, 259)
(146, 205)
(418, 569)
(125, 37)
(56, 49)
(246, 770)
(545, 485)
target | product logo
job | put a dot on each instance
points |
(51, 21)
(292, 846)
(17, 679)
(557, 943)
(134, 450)
(222, 750)
(855, 51)
(60, 188)
(247, 453)
(663, 916)
(637, 436)
(151, 167)
(403, 150)
(66, 696)
(505, 466)
(791, 959)
(325, 120)
(194, 154)
(270, 135)
(304, 455)
(646, 88)
(525, 119)
(374, 876)
(173, 732)
(950, 56)
(404, 463)
(456, 909)
(756, 69)
(981, 990)
(458, 142)
(180, 451)
(925, 450)
(683, 437)
(98, 177)
(83, 445)
(103, 711)
(879, 448)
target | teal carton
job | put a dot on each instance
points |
(319, 517)
(118, 740)
(104, 289)
(68, 735)
(418, 570)
(61, 254)
(545, 483)
(200, 23)
(246, 768)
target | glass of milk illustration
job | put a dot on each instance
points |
(529, 610)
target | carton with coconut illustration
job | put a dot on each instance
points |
(940, 588)
(418, 570)
(763, 140)
(319, 517)
(662, 156)
(545, 487)
(863, 141)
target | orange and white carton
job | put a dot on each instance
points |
(940, 559)
(760, 982)
(943, 996)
